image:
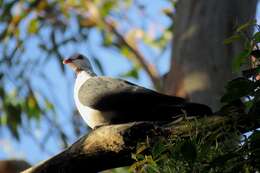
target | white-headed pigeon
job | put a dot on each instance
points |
(104, 100)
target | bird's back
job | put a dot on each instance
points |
(129, 102)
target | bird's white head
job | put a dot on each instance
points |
(78, 63)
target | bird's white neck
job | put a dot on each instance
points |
(82, 76)
(90, 115)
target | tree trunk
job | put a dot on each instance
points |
(201, 63)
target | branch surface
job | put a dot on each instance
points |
(111, 146)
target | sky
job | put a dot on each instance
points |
(62, 87)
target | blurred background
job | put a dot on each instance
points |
(38, 115)
(132, 39)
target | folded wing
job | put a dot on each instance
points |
(104, 93)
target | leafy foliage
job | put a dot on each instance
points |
(201, 153)
(215, 151)
(224, 149)
(247, 86)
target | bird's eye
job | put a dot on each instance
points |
(80, 57)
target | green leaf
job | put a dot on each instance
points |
(2, 92)
(239, 82)
(248, 45)
(107, 6)
(151, 168)
(256, 37)
(31, 107)
(14, 130)
(238, 88)
(13, 113)
(241, 59)
(255, 53)
(107, 39)
(254, 111)
(133, 73)
(232, 39)
(189, 151)
(252, 72)
(249, 104)
(3, 119)
(125, 51)
(49, 105)
(158, 149)
(13, 117)
(222, 159)
(257, 95)
(255, 137)
(168, 12)
(255, 146)
(246, 25)
(33, 26)
(141, 148)
(160, 42)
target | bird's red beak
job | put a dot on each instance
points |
(66, 61)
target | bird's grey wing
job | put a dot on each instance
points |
(104, 93)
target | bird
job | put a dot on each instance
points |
(103, 100)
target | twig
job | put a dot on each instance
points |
(148, 67)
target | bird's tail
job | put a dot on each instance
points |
(196, 109)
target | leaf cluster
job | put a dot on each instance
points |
(216, 151)
(246, 87)
(224, 149)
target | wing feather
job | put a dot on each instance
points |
(105, 93)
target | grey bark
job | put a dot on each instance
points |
(13, 166)
(201, 63)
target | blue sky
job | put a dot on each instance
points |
(61, 86)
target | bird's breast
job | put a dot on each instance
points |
(91, 116)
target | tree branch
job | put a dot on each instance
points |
(111, 146)
(13, 166)
(148, 67)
